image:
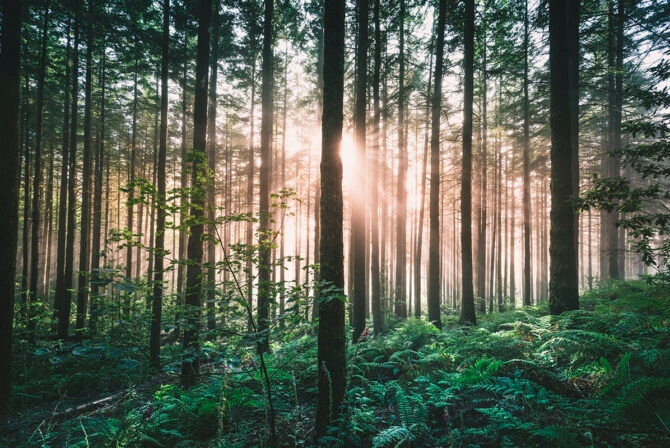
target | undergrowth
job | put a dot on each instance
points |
(598, 376)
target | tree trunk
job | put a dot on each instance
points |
(10, 39)
(37, 179)
(401, 199)
(481, 237)
(72, 179)
(87, 168)
(527, 280)
(97, 202)
(434, 314)
(265, 237)
(358, 206)
(159, 254)
(418, 252)
(210, 218)
(131, 181)
(60, 296)
(190, 367)
(331, 337)
(181, 268)
(375, 279)
(467, 298)
(564, 121)
(609, 232)
(250, 192)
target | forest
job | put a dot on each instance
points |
(341, 223)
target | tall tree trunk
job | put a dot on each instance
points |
(265, 243)
(358, 206)
(512, 242)
(422, 200)
(401, 212)
(317, 187)
(47, 228)
(87, 168)
(10, 39)
(250, 192)
(467, 298)
(157, 300)
(499, 207)
(211, 178)
(331, 358)
(564, 121)
(27, 182)
(72, 179)
(482, 227)
(494, 235)
(181, 268)
(375, 279)
(131, 180)
(527, 280)
(37, 179)
(282, 173)
(62, 312)
(99, 157)
(434, 314)
(190, 367)
(609, 232)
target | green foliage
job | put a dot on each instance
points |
(521, 378)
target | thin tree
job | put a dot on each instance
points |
(190, 367)
(526, 165)
(467, 297)
(64, 318)
(609, 233)
(375, 280)
(331, 356)
(37, 178)
(211, 168)
(563, 119)
(61, 300)
(358, 216)
(418, 251)
(157, 300)
(98, 169)
(401, 212)
(87, 168)
(434, 236)
(264, 243)
(10, 38)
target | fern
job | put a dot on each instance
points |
(413, 416)
(393, 436)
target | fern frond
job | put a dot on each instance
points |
(395, 436)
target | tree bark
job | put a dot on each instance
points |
(61, 311)
(10, 39)
(467, 297)
(609, 232)
(37, 179)
(564, 116)
(527, 280)
(159, 254)
(375, 279)
(264, 237)
(211, 177)
(401, 199)
(331, 356)
(434, 280)
(358, 216)
(87, 168)
(64, 322)
(190, 367)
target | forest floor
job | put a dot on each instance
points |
(596, 377)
